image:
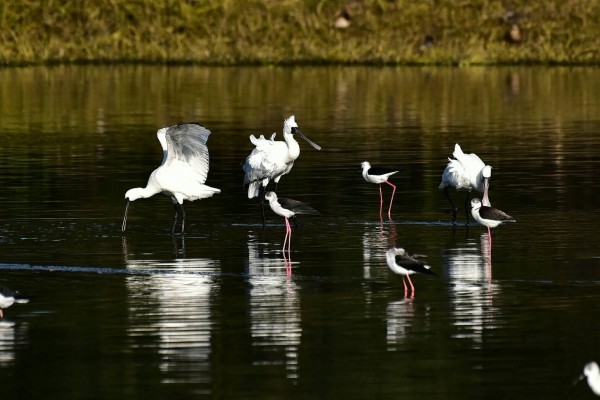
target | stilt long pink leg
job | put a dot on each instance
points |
(288, 235)
(380, 203)
(405, 288)
(391, 200)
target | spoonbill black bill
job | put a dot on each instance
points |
(271, 159)
(488, 216)
(404, 264)
(8, 297)
(288, 208)
(183, 171)
(592, 373)
(379, 175)
(466, 172)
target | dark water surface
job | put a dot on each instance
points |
(148, 315)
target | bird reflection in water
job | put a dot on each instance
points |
(12, 335)
(400, 314)
(274, 309)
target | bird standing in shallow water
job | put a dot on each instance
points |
(592, 373)
(183, 171)
(379, 175)
(271, 159)
(8, 297)
(466, 172)
(288, 208)
(488, 216)
(405, 264)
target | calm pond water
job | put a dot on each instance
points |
(212, 314)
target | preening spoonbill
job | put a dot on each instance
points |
(183, 171)
(466, 172)
(379, 175)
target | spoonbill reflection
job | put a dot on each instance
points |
(379, 175)
(288, 208)
(466, 172)
(8, 297)
(272, 159)
(592, 373)
(488, 216)
(405, 264)
(183, 171)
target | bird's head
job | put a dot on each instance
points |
(270, 196)
(134, 194)
(290, 127)
(365, 165)
(476, 204)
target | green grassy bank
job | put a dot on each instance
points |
(229, 32)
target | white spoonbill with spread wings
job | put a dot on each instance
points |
(466, 172)
(183, 171)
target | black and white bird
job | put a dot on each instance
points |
(404, 264)
(271, 159)
(378, 176)
(288, 208)
(488, 216)
(183, 171)
(8, 297)
(591, 372)
(466, 172)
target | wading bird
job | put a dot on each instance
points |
(288, 208)
(271, 159)
(379, 175)
(466, 172)
(488, 216)
(405, 264)
(592, 373)
(8, 297)
(183, 171)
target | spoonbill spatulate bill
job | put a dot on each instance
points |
(183, 171)
(404, 264)
(488, 216)
(288, 208)
(379, 175)
(591, 372)
(8, 297)
(271, 159)
(466, 172)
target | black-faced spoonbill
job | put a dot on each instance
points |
(488, 216)
(466, 172)
(271, 159)
(592, 373)
(183, 170)
(379, 175)
(404, 264)
(8, 297)
(288, 208)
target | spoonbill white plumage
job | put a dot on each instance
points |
(288, 208)
(183, 170)
(271, 159)
(591, 371)
(379, 175)
(8, 297)
(488, 216)
(404, 264)
(466, 172)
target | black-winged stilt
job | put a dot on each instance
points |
(379, 175)
(405, 264)
(488, 216)
(183, 171)
(8, 297)
(466, 172)
(271, 159)
(592, 373)
(288, 208)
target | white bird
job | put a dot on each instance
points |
(466, 172)
(8, 297)
(271, 159)
(405, 264)
(183, 171)
(592, 373)
(288, 208)
(378, 176)
(488, 216)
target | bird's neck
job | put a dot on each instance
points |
(293, 146)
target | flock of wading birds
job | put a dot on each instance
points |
(184, 170)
